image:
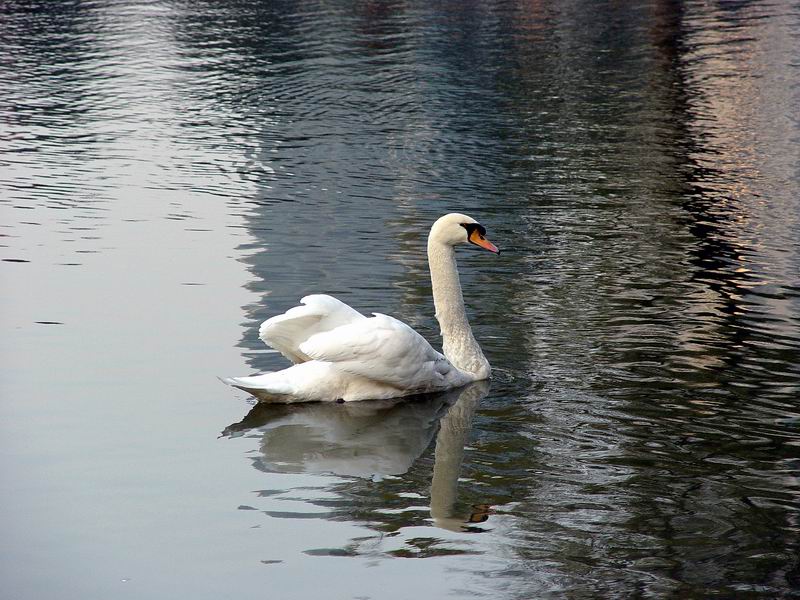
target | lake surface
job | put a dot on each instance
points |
(172, 173)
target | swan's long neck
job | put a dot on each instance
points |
(459, 344)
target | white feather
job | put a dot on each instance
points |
(317, 314)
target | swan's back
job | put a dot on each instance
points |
(385, 350)
(317, 314)
(341, 354)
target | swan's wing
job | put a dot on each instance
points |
(317, 314)
(381, 349)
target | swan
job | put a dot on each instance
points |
(341, 355)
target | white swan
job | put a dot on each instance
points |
(340, 354)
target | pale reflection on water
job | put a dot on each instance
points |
(371, 440)
(363, 439)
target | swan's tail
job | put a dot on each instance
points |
(266, 387)
(305, 382)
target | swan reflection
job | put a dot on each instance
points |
(371, 439)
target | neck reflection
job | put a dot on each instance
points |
(450, 443)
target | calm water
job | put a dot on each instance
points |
(174, 172)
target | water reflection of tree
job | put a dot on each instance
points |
(730, 328)
(346, 130)
(653, 324)
(633, 354)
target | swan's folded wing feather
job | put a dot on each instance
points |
(318, 313)
(380, 348)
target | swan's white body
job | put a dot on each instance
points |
(340, 354)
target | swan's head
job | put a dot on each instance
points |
(456, 228)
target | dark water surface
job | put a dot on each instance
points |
(174, 172)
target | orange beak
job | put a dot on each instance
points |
(479, 240)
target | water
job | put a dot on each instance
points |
(172, 173)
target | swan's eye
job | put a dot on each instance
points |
(474, 227)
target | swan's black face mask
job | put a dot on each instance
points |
(476, 234)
